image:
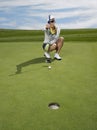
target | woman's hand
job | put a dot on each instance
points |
(47, 26)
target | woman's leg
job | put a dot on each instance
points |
(59, 44)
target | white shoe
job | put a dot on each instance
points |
(57, 56)
(47, 55)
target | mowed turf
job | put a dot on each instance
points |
(71, 82)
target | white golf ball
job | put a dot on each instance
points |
(49, 67)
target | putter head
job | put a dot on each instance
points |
(48, 60)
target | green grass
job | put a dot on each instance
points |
(71, 82)
(7, 35)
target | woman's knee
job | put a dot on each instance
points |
(62, 38)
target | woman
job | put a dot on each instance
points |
(52, 41)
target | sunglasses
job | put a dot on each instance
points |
(52, 21)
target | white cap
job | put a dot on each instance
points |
(50, 17)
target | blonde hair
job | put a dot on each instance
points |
(53, 30)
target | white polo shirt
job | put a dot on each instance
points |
(51, 38)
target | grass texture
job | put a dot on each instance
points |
(7, 35)
(71, 82)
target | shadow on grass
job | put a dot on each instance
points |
(29, 62)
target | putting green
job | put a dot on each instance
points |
(71, 82)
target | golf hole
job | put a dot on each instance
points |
(54, 106)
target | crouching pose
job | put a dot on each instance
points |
(52, 39)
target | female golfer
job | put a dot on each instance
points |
(52, 41)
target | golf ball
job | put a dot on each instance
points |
(49, 67)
